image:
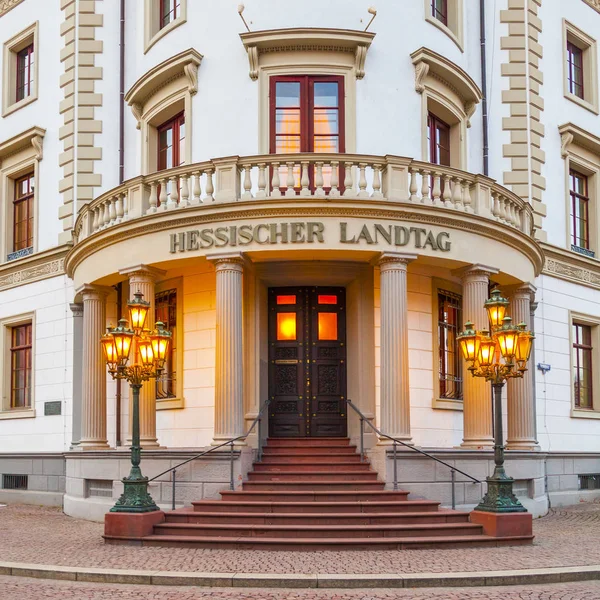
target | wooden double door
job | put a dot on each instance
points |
(307, 362)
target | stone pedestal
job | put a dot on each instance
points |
(504, 524)
(131, 526)
(395, 388)
(229, 389)
(94, 372)
(477, 398)
(521, 406)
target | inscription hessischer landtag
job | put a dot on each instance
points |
(309, 232)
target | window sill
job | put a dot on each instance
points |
(18, 105)
(446, 30)
(447, 404)
(582, 102)
(17, 413)
(164, 31)
(582, 413)
(170, 403)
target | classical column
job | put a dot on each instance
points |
(477, 399)
(77, 310)
(395, 388)
(142, 279)
(229, 389)
(521, 414)
(93, 380)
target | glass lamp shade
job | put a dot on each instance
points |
(146, 352)
(487, 350)
(469, 342)
(507, 337)
(122, 336)
(496, 309)
(161, 340)
(110, 351)
(524, 345)
(138, 311)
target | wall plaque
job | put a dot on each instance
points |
(52, 408)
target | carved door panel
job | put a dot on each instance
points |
(307, 362)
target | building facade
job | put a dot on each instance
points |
(314, 207)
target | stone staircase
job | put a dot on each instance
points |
(316, 494)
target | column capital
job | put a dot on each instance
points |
(393, 260)
(142, 273)
(474, 272)
(93, 292)
(525, 291)
(76, 309)
(227, 261)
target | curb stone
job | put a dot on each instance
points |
(299, 580)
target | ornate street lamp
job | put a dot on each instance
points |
(149, 354)
(497, 357)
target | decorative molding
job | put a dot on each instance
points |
(6, 5)
(571, 267)
(305, 39)
(136, 109)
(191, 72)
(421, 71)
(33, 268)
(595, 4)
(32, 137)
(573, 134)
(566, 138)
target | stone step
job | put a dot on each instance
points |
(307, 467)
(316, 544)
(311, 442)
(422, 530)
(270, 518)
(312, 495)
(326, 458)
(321, 485)
(304, 450)
(296, 506)
(333, 476)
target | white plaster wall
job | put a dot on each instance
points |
(557, 430)
(53, 355)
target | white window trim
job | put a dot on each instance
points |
(590, 67)
(152, 31)
(455, 31)
(437, 402)
(12, 46)
(19, 155)
(179, 400)
(6, 325)
(594, 322)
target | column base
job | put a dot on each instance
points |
(385, 442)
(219, 441)
(504, 525)
(131, 525)
(92, 445)
(483, 443)
(530, 446)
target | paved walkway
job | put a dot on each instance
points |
(15, 588)
(37, 535)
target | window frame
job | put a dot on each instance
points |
(573, 53)
(454, 25)
(29, 199)
(440, 15)
(6, 327)
(175, 123)
(29, 69)
(574, 197)
(442, 350)
(594, 323)
(433, 123)
(575, 37)
(175, 10)
(26, 348)
(22, 40)
(579, 346)
(154, 30)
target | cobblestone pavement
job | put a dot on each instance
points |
(15, 588)
(565, 537)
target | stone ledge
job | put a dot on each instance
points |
(309, 580)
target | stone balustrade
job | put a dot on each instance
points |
(341, 177)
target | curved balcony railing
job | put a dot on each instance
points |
(312, 176)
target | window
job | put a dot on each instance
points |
(165, 311)
(438, 140)
(171, 143)
(580, 220)
(439, 10)
(449, 326)
(20, 366)
(24, 72)
(575, 69)
(582, 365)
(19, 75)
(23, 211)
(169, 11)
(581, 70)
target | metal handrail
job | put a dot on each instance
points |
(453, 470)
(230, 443)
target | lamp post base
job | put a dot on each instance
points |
(500, 497)
(501, 525)
(135, 497)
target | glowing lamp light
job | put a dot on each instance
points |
(122, 336)
(110, 351)
(496, 309)
(524, 345)
(160, 339)
(469, 342)
(507, 337)
(146, 351)
(487, 350)
(138, 311)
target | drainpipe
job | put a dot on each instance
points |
(484, 107)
